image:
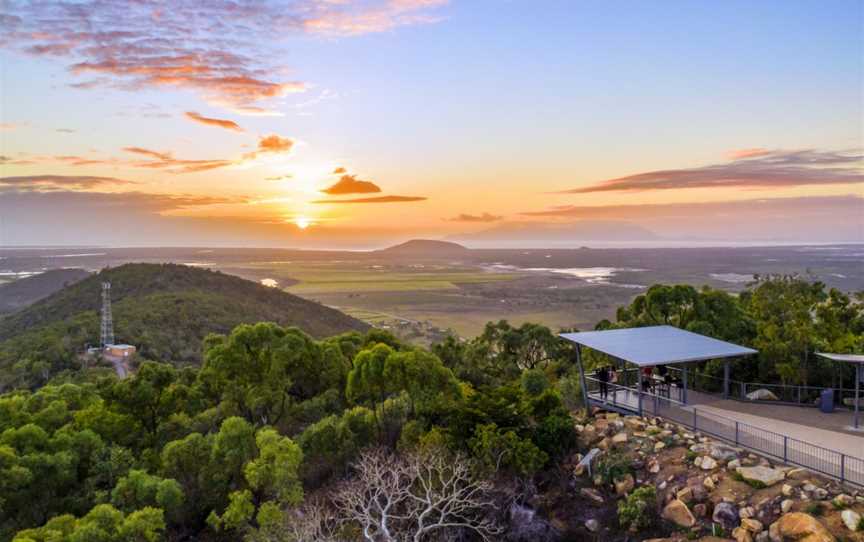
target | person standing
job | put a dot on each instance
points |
(603, 377)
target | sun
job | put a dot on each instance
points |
(302, 222)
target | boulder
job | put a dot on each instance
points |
(741, 535)
(802, 528)
(678, 513)
(762, 475)
(752, 525)
(620, 438)
(525, 525)
(843, 501)
(592, 494)
(708, 463)
(625, 485)
(726, 514)
(762, 395)
(721, 452)
(851, 519)
(786, 505)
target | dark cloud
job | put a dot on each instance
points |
(485, 217)
(378, 199)
(751, 168)
(40, 183)
(349, 184)
(209, 121)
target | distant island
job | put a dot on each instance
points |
(428, 247)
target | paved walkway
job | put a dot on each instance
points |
(803, 423)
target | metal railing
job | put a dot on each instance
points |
(789, 450)
(739, 390)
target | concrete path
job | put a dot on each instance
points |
(802, 423)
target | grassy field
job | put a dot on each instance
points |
(335, 279)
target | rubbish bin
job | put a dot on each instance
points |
(826, 401)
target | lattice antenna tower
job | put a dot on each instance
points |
(107, 319)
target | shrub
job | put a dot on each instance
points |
(639, 509)
(614, 466)
(814, 509)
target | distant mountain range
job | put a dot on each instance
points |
(585, 230)
(166, 310)
(22, 292)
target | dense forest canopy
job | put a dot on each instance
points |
(278, 436)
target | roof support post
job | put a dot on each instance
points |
(639, 390)
(859, 374)
(582, 379)
(684, 384)
(725, 379)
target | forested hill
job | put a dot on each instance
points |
(20, 293)
(164, 309)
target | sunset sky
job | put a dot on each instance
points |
(321, 123)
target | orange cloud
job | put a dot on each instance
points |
(166, 160)
(349, 184)
(275, 143)
(379, 199)
(485, 217)
(221, 123)
(748, 153)
(148, 152)
(339, 171)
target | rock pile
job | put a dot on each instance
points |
(707, 490)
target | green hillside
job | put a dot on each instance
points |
(18, 294)
(164, 309)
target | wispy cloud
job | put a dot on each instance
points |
(225, 50)
(66, 130)
(800, 219)
(41, 183)
(349, 184)
(209, 121)
(356, 18)
(280, 177)
(722, 211)
(750, 168)
(485, 217)
(166, 161)
(378, 199)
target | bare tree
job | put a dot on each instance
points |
(313, 521)
(414, 497)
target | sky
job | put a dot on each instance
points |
(354, 124)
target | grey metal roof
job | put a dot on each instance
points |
(657, 345)
(848, 358)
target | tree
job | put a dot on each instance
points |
(262, 369)
(416, 497)
(274, 472)
(782, 307)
